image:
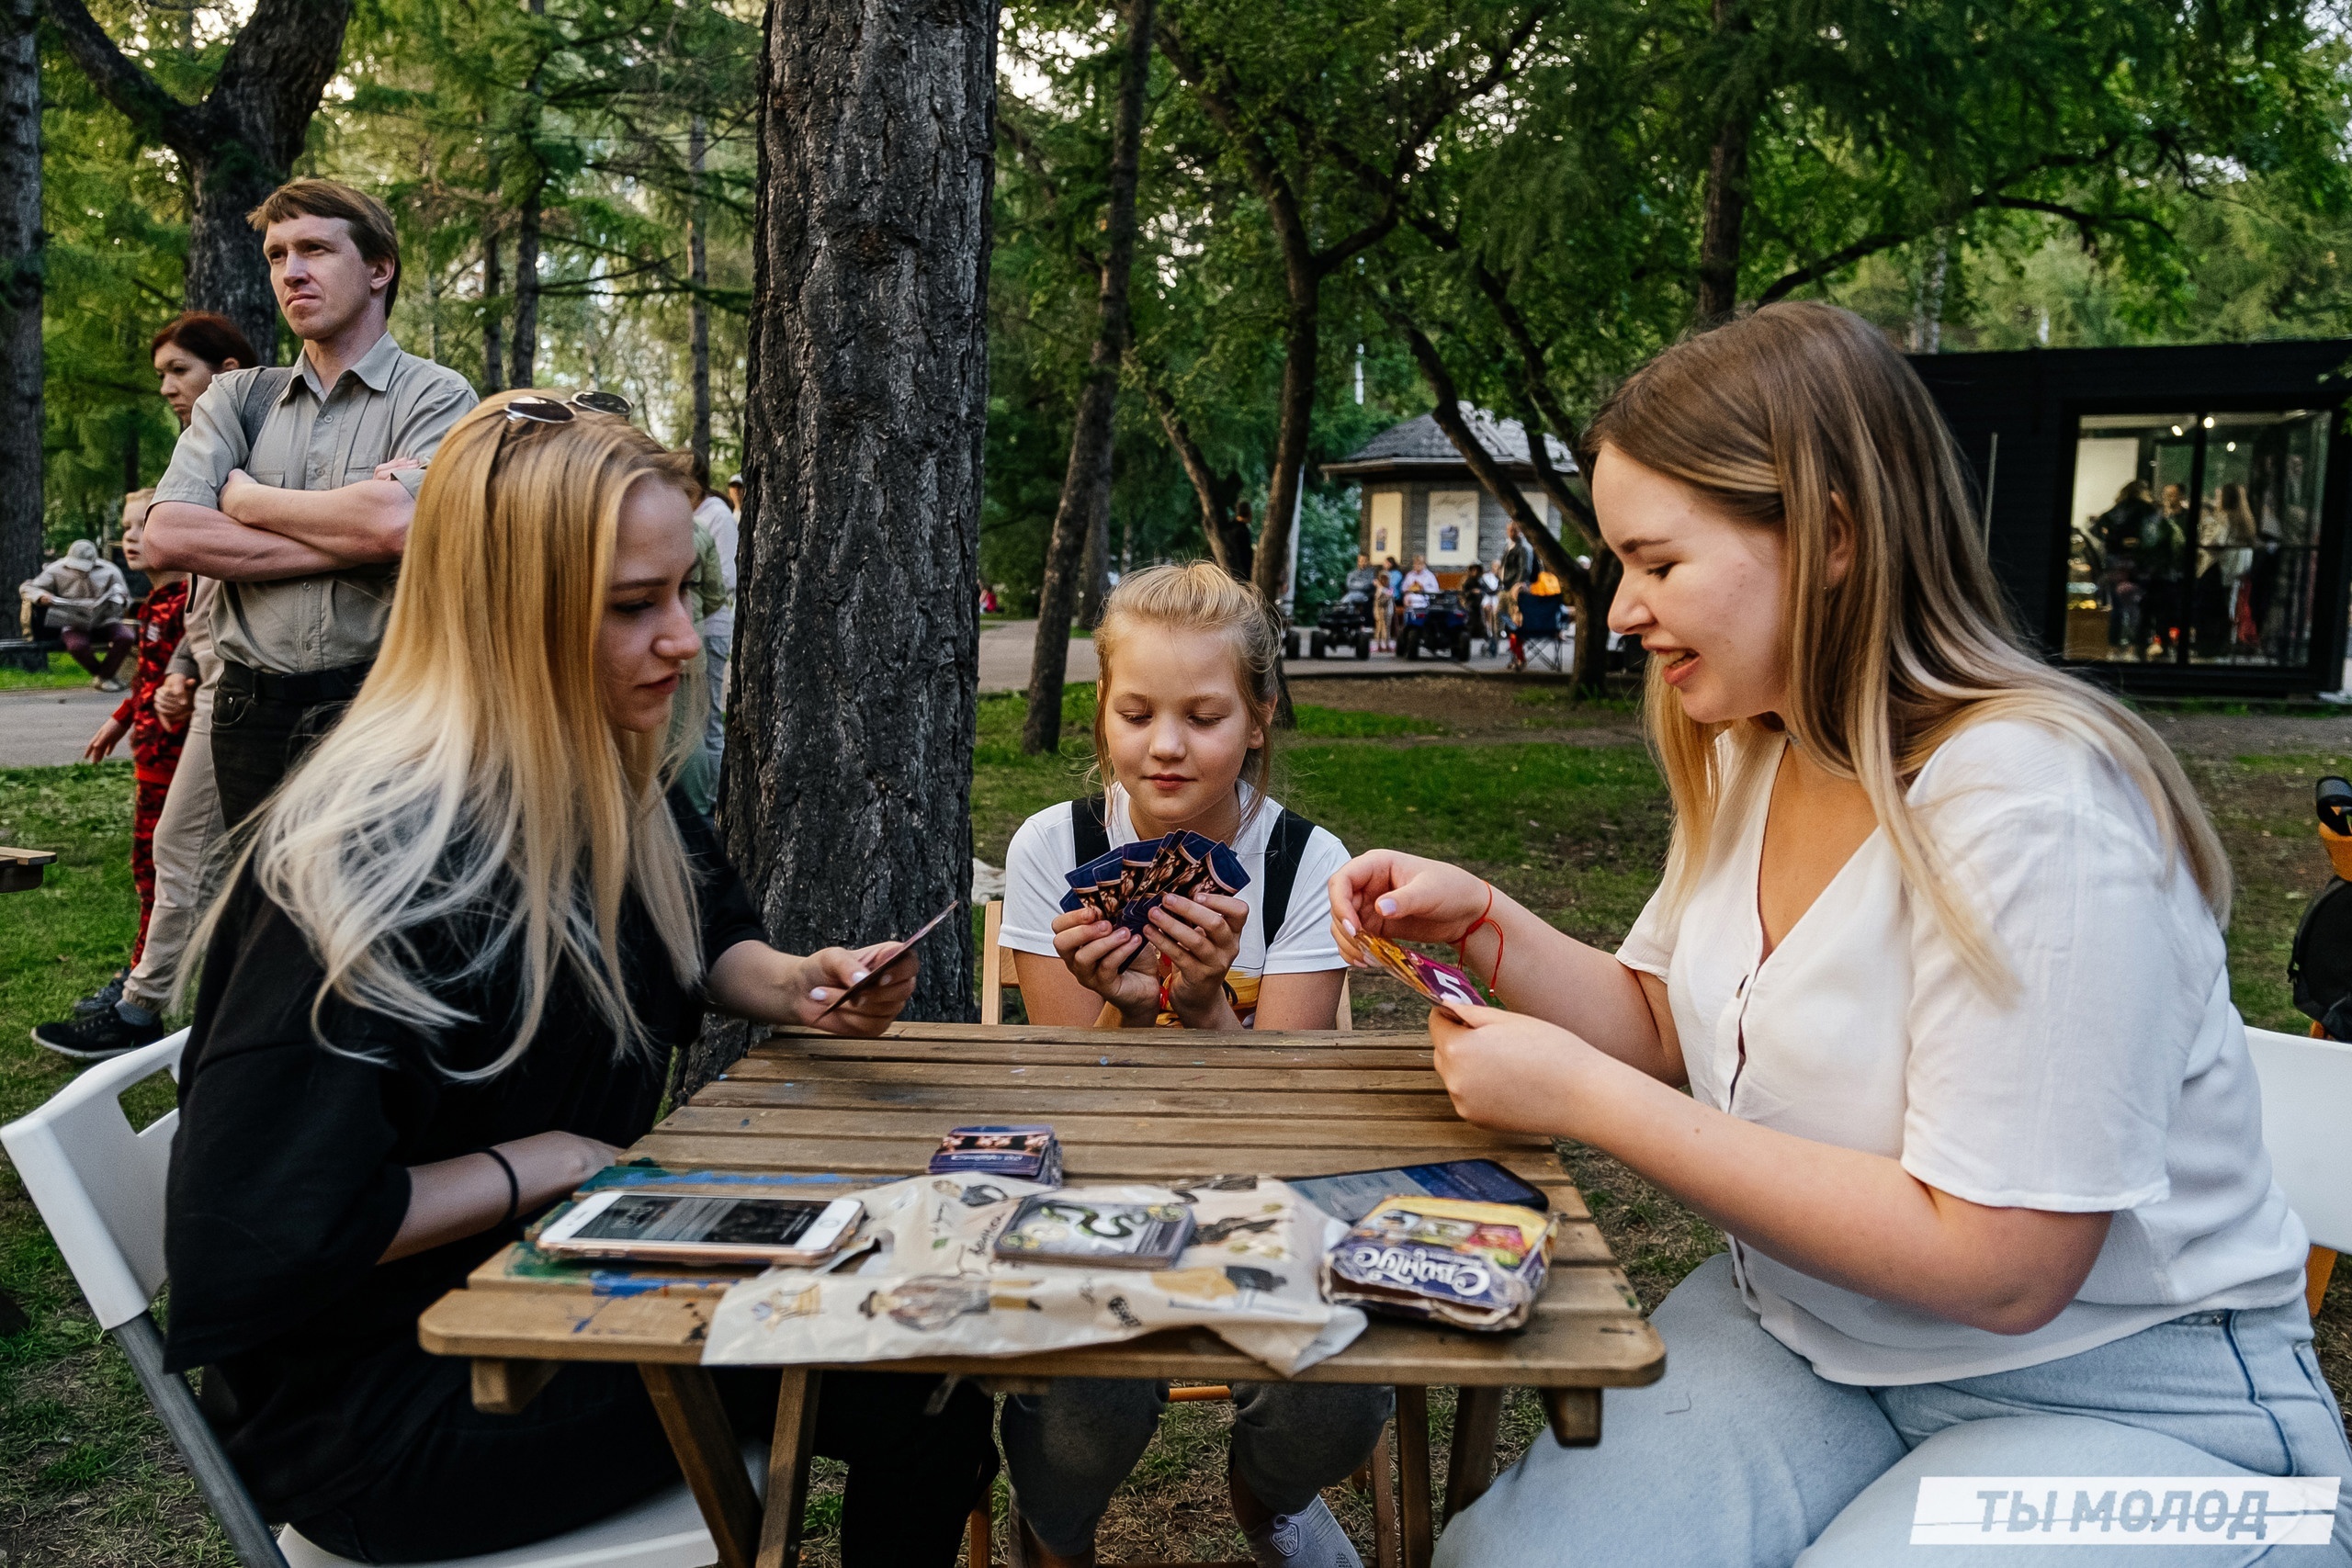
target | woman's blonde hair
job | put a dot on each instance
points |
(1199, 596)
(476, 781)
(1790, 418)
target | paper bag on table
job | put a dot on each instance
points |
(920, 1279)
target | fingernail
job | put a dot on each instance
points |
(1349, 927)
(1388, 906)
(855, 975)
(819, 994)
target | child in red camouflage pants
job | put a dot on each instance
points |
(154, 746)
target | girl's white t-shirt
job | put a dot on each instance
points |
(2116, 1080)
(1045, 852)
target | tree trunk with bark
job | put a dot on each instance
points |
(1227, 536)
(493, 286)
(20, 299)
(1726, 209)
(698, 274)
(527, 285)
(1077, 555)
(1593, 588)
(846, 797)
(1488, 471)
(236, 146)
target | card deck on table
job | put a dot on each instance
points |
(1072, 1227)
(1442, 984)
(891, 955)
(1125, 886)
(1029, 1153)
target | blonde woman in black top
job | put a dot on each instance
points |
(460, 943)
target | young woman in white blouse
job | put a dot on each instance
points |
(1938, 956)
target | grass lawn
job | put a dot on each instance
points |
(1553, 799)
(87, 1475)
(62, 675)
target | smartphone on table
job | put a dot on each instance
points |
(1350, 1195)
(673, 1227)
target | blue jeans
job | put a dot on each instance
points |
(718, 646)
(1068, 1450)
(1741, 1455)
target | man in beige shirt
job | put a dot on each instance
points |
(284, 486)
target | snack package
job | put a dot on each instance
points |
(1468, 1265)
(1079, 1227)
(1028, 1153)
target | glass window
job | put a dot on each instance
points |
(2195, 537)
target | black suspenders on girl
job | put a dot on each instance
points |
(1284, 849)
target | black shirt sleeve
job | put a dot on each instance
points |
(286, 1183)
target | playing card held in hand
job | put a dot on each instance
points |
(1442, 984)
(1127, 884)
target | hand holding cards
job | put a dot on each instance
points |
(1125, 886)
(891, 955)
(1445, 985)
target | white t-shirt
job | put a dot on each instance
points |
(2115, 1081)
(1045, 852)
(720, 518)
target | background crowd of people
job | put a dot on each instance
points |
(270, 548)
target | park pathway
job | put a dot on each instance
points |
(41, 729)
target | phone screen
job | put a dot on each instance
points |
(1354, 1194)
(723, 1222)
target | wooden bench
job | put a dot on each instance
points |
(20, 870)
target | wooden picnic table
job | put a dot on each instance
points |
(1128, 1106)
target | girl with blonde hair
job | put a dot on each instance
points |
(459, 945)
(1937, 956)
(1183, 721)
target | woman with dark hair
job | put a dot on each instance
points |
(195, 347)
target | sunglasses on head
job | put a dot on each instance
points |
(548, 411)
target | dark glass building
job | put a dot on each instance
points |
(2171, 520)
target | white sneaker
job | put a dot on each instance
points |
(1311, 1539)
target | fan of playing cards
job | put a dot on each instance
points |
(1442, 984)
(1125, 886)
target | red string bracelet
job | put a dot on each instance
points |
(1462, 943)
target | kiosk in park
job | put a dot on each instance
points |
(2169, 519)
(1420, 498)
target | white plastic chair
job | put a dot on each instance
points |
(2306, 1092)
(99, 1184)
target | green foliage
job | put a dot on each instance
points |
(62, 675)
(1524, 181)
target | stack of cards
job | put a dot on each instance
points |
(1125, 886)
(1027, 1153)
(1072, 1227)
(1442, 984)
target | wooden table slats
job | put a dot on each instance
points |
(712, 1113)
(1161, 1106)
